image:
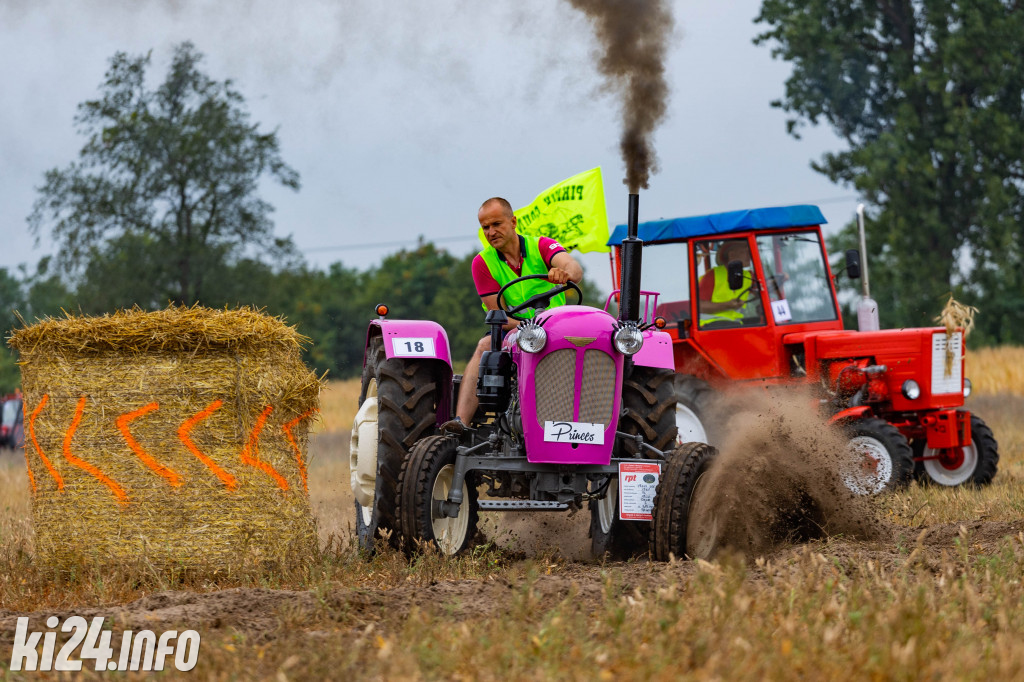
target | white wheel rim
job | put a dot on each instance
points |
(363, 453)
(689, 427)
(868, 467)
(449, 533)
(608, 506)
(943, 476)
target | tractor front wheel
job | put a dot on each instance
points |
(878, 458)
(972, 464)
(671, 534)
(397, 406)
(425, 483)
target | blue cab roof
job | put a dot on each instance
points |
(778, 217)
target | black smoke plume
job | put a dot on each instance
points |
(634, 35)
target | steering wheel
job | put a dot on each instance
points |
(536, 300)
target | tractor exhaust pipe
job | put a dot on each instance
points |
(867, 308)
(629, 295)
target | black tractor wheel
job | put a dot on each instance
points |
(649, 407)
(680, 474)
(397, 407)
(879, 457)
(426, 480)
(611, 536)
(975, 464)
(693, 409)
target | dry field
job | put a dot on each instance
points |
(937, 594)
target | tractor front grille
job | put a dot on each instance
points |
(598, 388)
(555, 381)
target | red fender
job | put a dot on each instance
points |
(850, 413)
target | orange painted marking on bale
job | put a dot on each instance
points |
(122, 425)
(119, 493)
(251, 453)
(295, 446)
(32, 434)
(186, 428)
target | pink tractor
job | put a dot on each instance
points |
(576, 409)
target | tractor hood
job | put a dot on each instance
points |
(570, 391)
(925, 355)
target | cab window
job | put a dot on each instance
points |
(797, 279)
(665, 270)
(721, 306)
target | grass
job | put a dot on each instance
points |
(941, 597)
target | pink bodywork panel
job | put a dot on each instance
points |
(575, 321)
(399, 336)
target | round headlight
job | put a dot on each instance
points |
(531, 338)
(628, 339)
(910, 390)
(967, 387)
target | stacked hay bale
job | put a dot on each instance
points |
(177, 437)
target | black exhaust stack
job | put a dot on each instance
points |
(629, 294)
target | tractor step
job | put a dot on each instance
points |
(520, 505)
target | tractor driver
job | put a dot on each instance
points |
(508, 256)
(718, 302)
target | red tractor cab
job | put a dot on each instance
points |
(750, 298)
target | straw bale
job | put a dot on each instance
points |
(114, 404)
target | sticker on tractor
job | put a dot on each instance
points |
(947, 364)
(637, 483)
(409, 347)
(574, 432)
(780, 309)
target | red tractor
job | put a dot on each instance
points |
(750, 298)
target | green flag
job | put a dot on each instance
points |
(572, 212)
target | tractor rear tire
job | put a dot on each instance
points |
(397, 407)
(649, 409)
(679, 478)
(975, 464)
(611, 536)
(693, 409)
(425, 480)
(880, 457)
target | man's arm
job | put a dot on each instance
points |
(564, 268)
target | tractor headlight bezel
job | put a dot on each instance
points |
(910, 389)
(531, 337)
(628, 339)
(968, 386)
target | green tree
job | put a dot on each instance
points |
(11, 300)
(927, 96)
(164, 192)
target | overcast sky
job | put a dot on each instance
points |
(402, 116)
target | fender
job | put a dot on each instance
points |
(418, 339)
(411, 339)
(656, 351)
(850, 413)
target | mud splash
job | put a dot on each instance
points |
(775, 481)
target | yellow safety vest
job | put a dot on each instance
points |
(533, 264)
(723, 293)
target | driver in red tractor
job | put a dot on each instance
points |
(509, 256)
(718, 301)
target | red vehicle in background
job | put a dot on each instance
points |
(12, 426)
(750, 299)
